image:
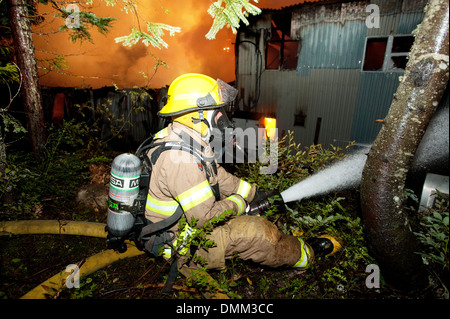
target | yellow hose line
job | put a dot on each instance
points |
(55, 227)
(66, 227)
(52, 285)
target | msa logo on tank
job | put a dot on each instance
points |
(123, 190)
(124, 183)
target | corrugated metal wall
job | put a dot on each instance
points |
(332, 36)
(375, 93)
(328, 82)
(376, 89)
(331, 46)
(331, 100)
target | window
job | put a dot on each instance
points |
(281, 50)
(387, 54)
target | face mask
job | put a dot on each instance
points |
(219, 126)
(221, 130)
(218, 119)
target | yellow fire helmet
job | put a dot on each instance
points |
(191, 94)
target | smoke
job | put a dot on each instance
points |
(132, 58)
(206, 55)
(105, 62)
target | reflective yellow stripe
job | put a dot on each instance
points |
(303, 262)
(186, 237)
(244, 189)
(238, 202)
(166, 208)
(195, 195)
(162, 133)
(167, 253)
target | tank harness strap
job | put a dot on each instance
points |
(215, 187)
(195, 152)
(155, 235)
(187, 139)
(165, 224)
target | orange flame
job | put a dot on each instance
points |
(270, 125)
(105, 62)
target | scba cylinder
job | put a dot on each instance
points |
(123, 189)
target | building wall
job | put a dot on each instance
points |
(132, 112)
(328, 82)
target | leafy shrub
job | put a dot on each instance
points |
(433, 238)
(336, 215)
(294, 163)
(29, 186)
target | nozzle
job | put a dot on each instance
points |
(262, 206)
(259, 207)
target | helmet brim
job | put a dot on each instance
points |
(162, 113)
(184, 103)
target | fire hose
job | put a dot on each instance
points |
(90, 265)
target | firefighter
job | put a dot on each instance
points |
(204, 189)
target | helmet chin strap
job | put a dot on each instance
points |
(200, 119)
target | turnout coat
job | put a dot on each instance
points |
(205, 190)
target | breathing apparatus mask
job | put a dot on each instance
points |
(219, 126)
(212, 113)
(200, 102)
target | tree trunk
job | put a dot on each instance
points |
(382, 187)
(26, 61)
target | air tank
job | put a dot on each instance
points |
(124, 189)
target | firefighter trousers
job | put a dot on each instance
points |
(253, 238)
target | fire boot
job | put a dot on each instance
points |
(324, 245)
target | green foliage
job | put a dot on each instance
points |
(8, 72)
(342, 273)
(153, 37)
(199, 234)
(198, 237)
(10, 123)
(55, 180)
(230, 13)
(71, 147)
(10, 77)
(311, 217)
(90, 130)
(56, 63)
(294, 164)
(85, 21)
(86, 289)
(433, 237)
